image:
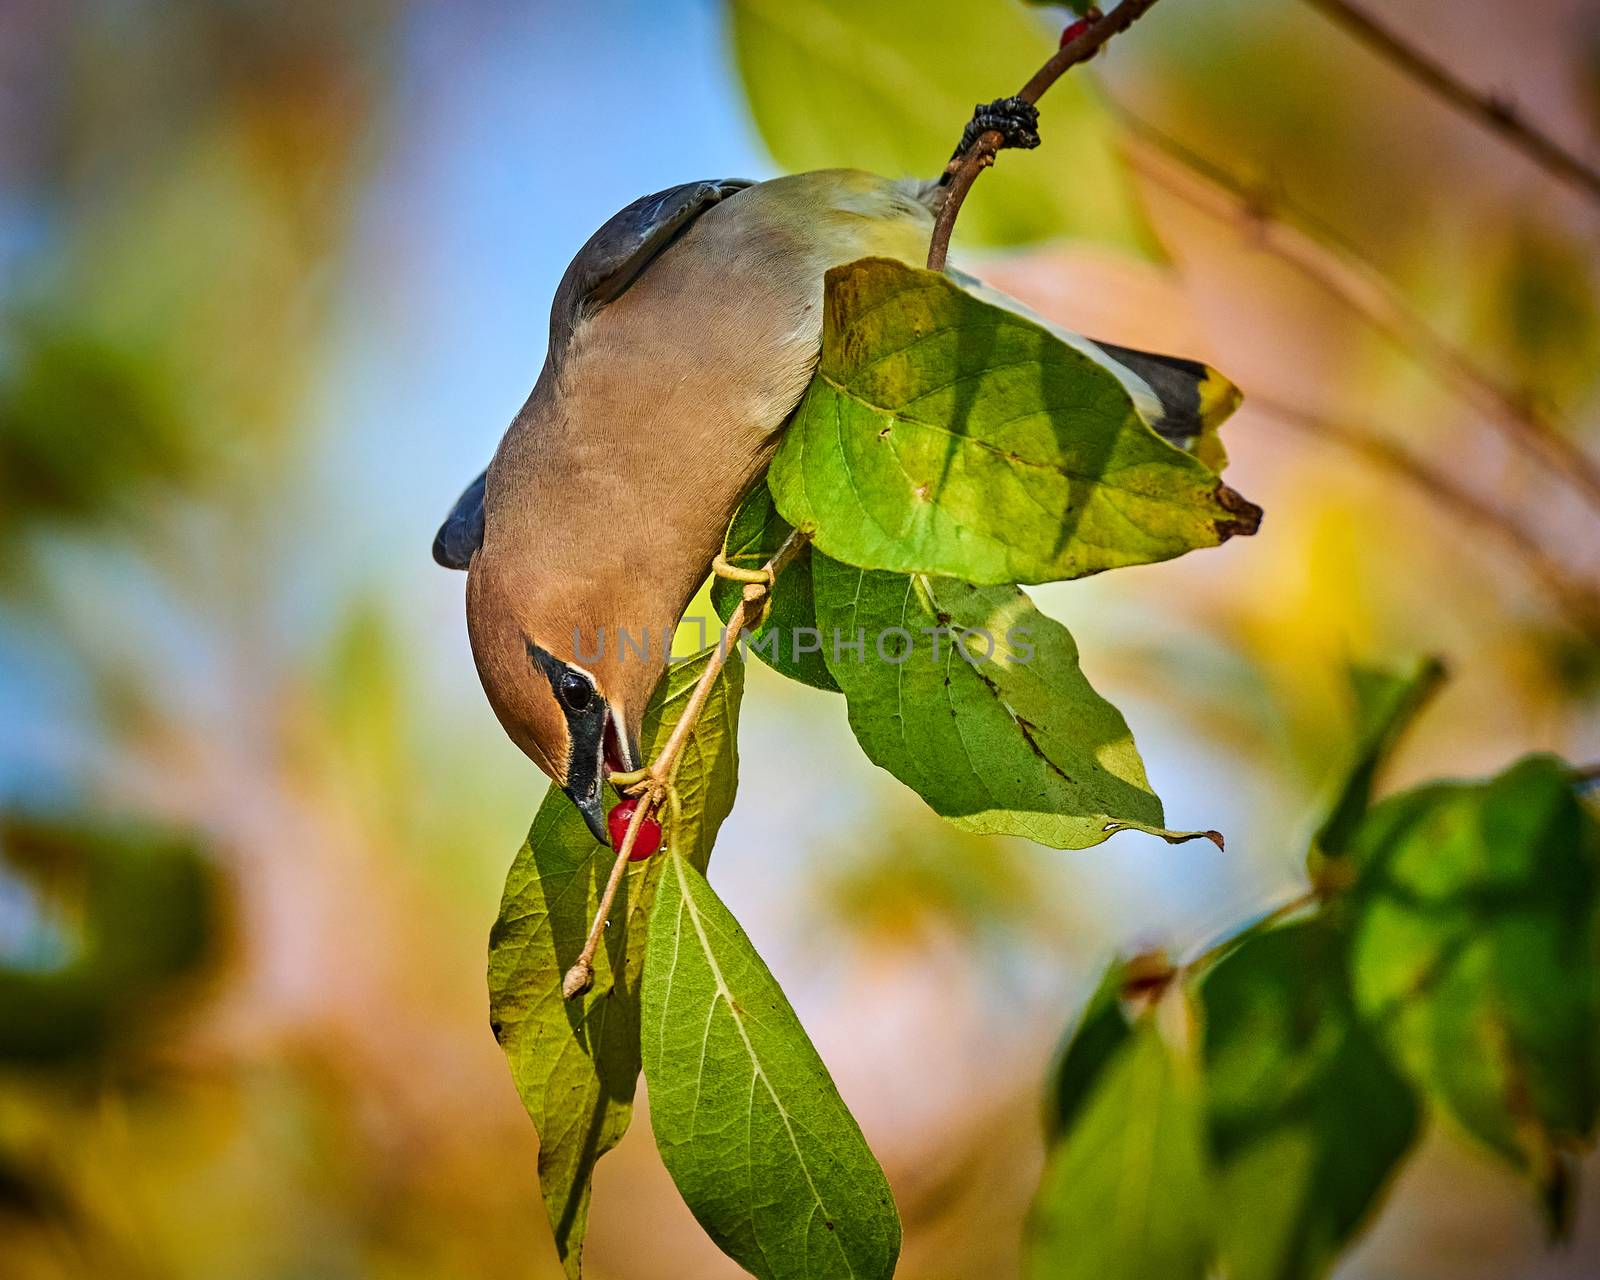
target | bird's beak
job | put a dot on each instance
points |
(600, 745)
(593, 811)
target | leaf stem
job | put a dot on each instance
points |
(656, 785)
(964, 169)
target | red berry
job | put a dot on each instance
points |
(646, 842)
(1074, 30)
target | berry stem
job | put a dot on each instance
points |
(656, 785)
(581, 974)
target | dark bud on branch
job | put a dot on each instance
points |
(1016, 120)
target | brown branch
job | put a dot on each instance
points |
(964, 169)
(1577, 598)
(1324, 259)
(1494, 114)
(654, 784)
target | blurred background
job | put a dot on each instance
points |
(273, 280)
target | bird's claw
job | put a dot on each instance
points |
(721, 566)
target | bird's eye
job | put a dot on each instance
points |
(576, 692)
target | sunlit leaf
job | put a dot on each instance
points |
(1125, 1194)
(748, 1121)
(888, 86)
(787, 639)
(1475, 953)
(576, 1062)
(1308, 1119)
(943, 434)
(974, 699)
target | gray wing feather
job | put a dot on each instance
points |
(614, 256)
(608, 263)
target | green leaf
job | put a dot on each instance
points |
(1475, 952)
(1125, 1193)
(1101, 1032)
(1008, 742)
(945, 434)
(787, 641)
(888, 86)
(576, 1062)
(748, 1122)
(1308, 1119)
(1387, 703)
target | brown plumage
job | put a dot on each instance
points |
(653, 416)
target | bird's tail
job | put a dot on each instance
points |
(1182, 400)
(1191, 399)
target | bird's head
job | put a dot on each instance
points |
(564, 695)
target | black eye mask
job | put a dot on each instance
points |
(585, 711)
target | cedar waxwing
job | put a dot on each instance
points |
(681, 337)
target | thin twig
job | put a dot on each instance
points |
(1491, 112)
(963, 171)
(1578, 599)
(581, 974)
(656, 784)
(1336, 268)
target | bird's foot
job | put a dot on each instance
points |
(758, 583)
(1016, 120)
(723, 569)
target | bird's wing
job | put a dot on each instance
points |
(1182, 400)
(608, 263)
(614, 256)
(462, 531)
